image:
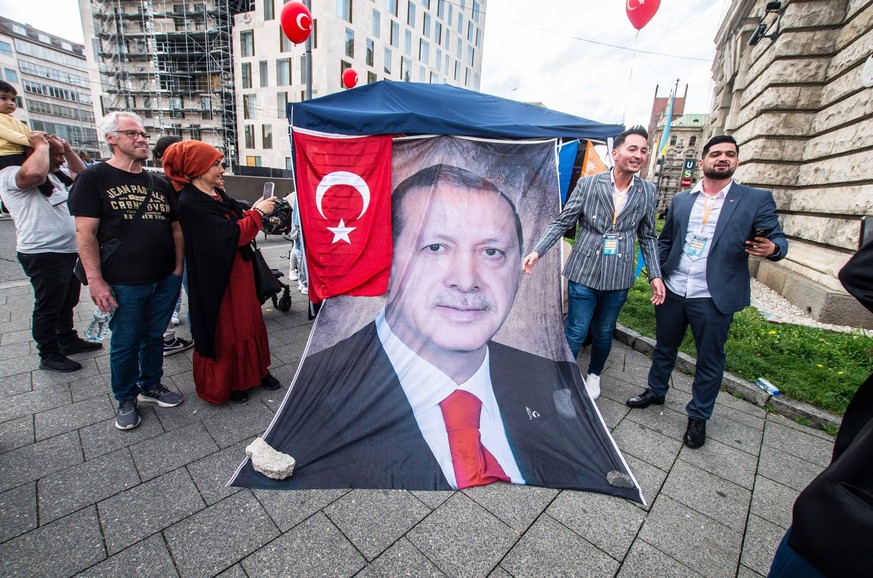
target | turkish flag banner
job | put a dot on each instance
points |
(344, 199)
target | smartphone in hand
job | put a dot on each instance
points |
(760, 233)
(268, 189)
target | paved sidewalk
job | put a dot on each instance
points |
(78, 496)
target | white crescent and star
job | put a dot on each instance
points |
(341, 231)
(304, 22)
(636, 5)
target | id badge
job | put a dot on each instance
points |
(695, 247)
(610, 244)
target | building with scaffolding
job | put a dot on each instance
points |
(170, 61)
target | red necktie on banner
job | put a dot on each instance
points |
(474, 465)
(344, 198)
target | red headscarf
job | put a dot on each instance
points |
(188, 159)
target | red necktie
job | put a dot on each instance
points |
(474, 465)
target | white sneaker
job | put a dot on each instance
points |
(592, 384)
(175, 319)
(293, 276)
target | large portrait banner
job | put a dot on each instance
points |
(460, 374)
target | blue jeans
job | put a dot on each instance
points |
(596, 311)
(787, 563)
(136, 351)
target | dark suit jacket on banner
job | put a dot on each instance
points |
(727, 267)
(348, 423)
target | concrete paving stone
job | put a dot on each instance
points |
(744, 572)
(724, 461)
(32, 462)
(745, 418)
(20, 336)
(372, 520)
(235, 571)
(618, 390)
(462, 538)
(704, 545)
(648, 477)
(785, 468)
(212, 472)
(36, 401)
(773, 501)
(16, 384)
(61, 548)
(708, 494)
(14, 350)
(72, 417)
(288, 354)
(314, 548)
(725, 399)
(141, 511)
(16, 433)
(790, 423)
(144, 559)
(567, 554)
(173, 449)
(611, 411)
(499, 572)
(244, 421)
(734, 434)
(174, 364)
(103, 438)
(193, 410)
(646, 560)
(89, 387)
(661, 419)
(639, 441)
(219, 536)
(17, 511)
(402, 559)
(608, 522)
(66, 491)
(759, 546)
(44, 379)
(797, 443)
(433, 500)
(287, 509)
(517, 506)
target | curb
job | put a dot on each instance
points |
(790, 408)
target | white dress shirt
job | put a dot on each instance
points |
(689, 277)
(426, 386)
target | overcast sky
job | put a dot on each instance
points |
(559, 52)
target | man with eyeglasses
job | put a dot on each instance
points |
(140, 281)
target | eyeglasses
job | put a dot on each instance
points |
(132, 134)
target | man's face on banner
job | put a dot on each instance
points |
(456, 270)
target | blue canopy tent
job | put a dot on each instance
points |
(389, 107)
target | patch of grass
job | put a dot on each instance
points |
(829, 429)
(822, 368)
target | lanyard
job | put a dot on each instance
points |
(707, 208)
(618, 200)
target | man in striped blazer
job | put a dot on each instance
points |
(612, 210)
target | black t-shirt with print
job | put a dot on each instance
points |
(147, 253)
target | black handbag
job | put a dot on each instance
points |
(266, 283)
(108, 249)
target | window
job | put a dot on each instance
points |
(370, 50)
(267, 136)
(407, 42)
(283, 72)
(285, 45)
(410, 13)
(253, 161)
(343, 67)
(673, 140)
(264, 74)
(392, 7)
(692, 141)
(377, 23)
(437, 32)
(424, 51)
(395, 34)
(10, 75)
(289, 166)
(196, 133)
(467, 77)
(350, 43)
(250, 102)
(344, 9)
(387, 65)
(246, 74)
(421, 74)
(371, 77)
(176, 107)
(5, 48)
(304, 71)
(250, 136)
(425, 25)
(470, 31)
(470, 55)
(426, 4)
(205, 107)
(476, 10)
(441, 8)
(281, 104)
(405, 69)
(269, 11)
(314, 35)
(478, 37)
(247, 43)
(457, 70)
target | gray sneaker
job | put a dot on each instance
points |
(177, 345)
(127, 416)
(161, 396)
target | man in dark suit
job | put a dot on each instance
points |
(421, 398)
(704, 251)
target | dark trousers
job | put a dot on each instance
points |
(710, 327)
(55, 293)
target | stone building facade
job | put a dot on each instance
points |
(684, 146)
(804, 121)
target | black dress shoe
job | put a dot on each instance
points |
(79, 346)
(695, 435)
(645, 399)
(270, 383)
(59, 362)
(239, 396)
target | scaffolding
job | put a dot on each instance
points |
(171, 62)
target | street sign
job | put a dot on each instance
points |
(688, 173)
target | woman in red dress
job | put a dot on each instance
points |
(231, 349)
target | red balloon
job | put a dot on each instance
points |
(296, 22)
(640, 12)
(350, 78)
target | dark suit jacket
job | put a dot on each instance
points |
(348, 423)
(727, 268)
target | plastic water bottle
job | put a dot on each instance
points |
(767, 386)
(99, 326)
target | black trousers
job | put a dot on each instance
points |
(56, 293)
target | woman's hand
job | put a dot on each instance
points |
(265, 205)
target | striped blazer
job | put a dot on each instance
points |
(591, 205)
